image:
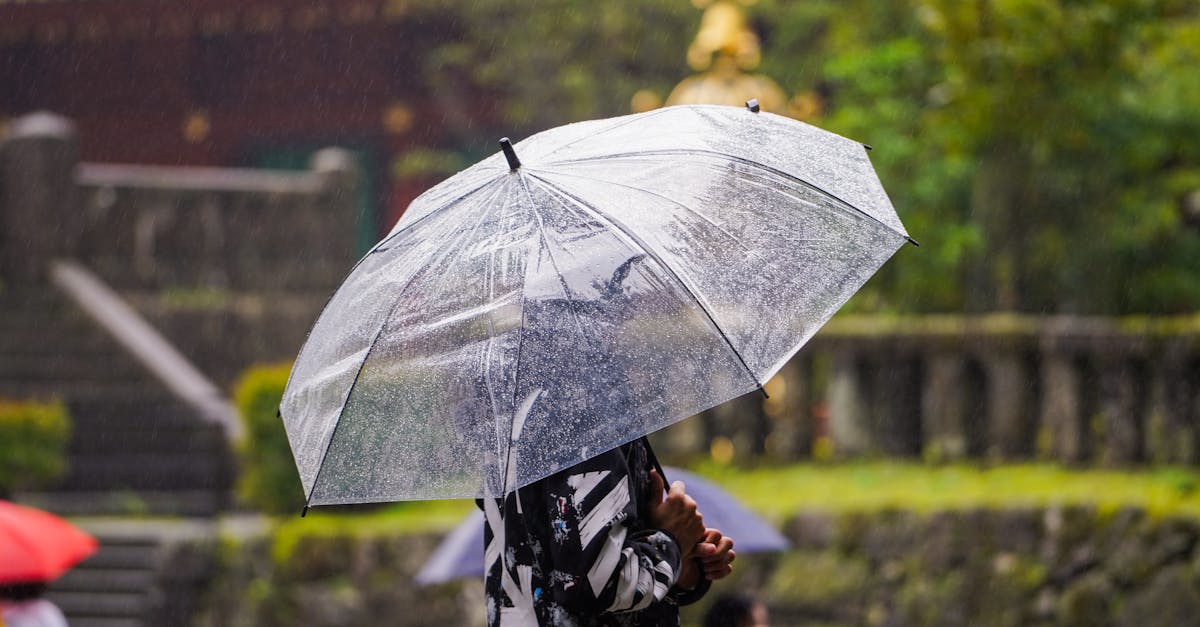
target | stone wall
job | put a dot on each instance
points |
(351, 580)
(1047, 566)
(156, 229)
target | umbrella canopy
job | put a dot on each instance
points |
(38, 546)
(608, 279)
(460, 555)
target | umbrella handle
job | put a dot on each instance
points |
(654, 460)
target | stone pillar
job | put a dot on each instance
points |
(1061, 410)
(1008, 402)
(897, 402)
(1121, 412)
(38, 208)
(343, 176)
(790, 429)
(737, 423)
(943, 408)
(849, 406)
(1171, 429)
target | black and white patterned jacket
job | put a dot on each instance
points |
(575, 548)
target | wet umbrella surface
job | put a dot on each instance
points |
(625, 274)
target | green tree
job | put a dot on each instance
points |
(1038, 148)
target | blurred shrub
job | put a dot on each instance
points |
(269, 480)
(33, 443)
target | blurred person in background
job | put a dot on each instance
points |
(22, 605)
(732, 610)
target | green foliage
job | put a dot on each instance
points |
(269, 479)
(1034, 147)
(529, 67)
(1038, 149)
(33, 443)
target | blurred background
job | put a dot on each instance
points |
(1002, 427)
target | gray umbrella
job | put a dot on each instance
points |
(619, 276)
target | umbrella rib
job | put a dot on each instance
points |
(742, 160)
(521, 338)
(662, 263)
(371, 346)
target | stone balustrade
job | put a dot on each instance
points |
(1078, 390)
(154, 228)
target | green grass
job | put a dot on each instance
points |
(779, 492)
(869, 486)
(410, 517)
(397, 518)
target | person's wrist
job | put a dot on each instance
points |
(689, 575)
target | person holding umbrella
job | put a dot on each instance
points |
(530, 319)
(22, 605)
(598, 543)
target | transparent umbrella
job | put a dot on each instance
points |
(587, 286)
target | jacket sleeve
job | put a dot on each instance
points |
(603, 561)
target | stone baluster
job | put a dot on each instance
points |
(343, 178)
(1122, 401)
(850, 425)
(944, 408)
(1171, 422)
(38, 209)
(1061, 409)
(1009, 398)
(896, 401)
(790, 428)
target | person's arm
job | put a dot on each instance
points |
(601, 563)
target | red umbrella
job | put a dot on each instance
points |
(38, 546)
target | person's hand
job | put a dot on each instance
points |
(716, 561)
(675, 513)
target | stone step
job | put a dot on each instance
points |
(86, 577)
(124, 437)
(48, 321)
(84, 337)
(98, 621)
(150, 471)
(101, 604)
(154, 403)
(101, 366)
(177, 502)
(80, 391)
(123, 554)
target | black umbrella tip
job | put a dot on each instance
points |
(912, 241)
(752, 105)
(510, 154)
